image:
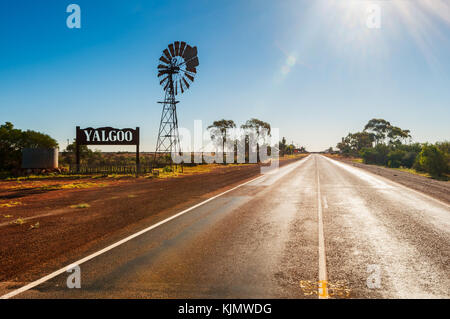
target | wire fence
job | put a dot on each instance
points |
(120, 169)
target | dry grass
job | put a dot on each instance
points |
(293, 156)
(412, 171)
(18, 221)
(82, 205)
(10, 204)
(35, 226)
(49, 187)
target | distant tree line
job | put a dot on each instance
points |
(382, 143)
(219, 132)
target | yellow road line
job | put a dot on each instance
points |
(323, 280)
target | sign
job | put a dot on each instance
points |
(107, 136)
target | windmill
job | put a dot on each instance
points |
(176, 71)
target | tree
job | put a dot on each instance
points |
(13, 140)
(261, 128)
(378, 128)
(282, 146)
(396, 135)
(219, 128)
(86, 154)
(353, 143)
(381, 129)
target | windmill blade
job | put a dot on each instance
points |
(177, 47)
(187, 52)
(192, 63)
(181, 87)
(162, 66)
(192, 70)
(182, 47)
(186, 83)
(167, 54)
(163, 59)
(162, 72)
(163, 80)
(194, 51)
(190, 77)
(172, 50)
(176, 88)
(190, 54)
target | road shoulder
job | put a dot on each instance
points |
(434, 188)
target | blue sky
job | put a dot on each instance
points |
(313, 69)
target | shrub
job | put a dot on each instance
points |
(408, 159)
(395, 158)
(369, 155)
(432, 160)
(167, 169)
(377, 155)
(444, 147)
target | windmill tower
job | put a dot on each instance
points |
(177, 69)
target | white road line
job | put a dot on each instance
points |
(323, 290)
(120, 242)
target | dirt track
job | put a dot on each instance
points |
(116, 209)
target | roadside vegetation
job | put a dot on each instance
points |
(97, 164)
(13, 140)
(382, 143)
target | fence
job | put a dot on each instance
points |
(117, 169)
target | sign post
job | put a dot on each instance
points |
(107, 136)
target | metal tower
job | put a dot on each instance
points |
(168, 137)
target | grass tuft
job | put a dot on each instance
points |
(10, 204)
(83, 205)
(18, 221)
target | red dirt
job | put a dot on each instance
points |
(117, 209)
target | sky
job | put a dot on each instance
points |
(316, 70)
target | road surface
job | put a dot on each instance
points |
(314, 228)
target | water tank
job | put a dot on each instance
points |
(40, 158)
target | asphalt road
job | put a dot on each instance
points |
(313, 224)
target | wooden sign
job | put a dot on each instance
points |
(107, 136)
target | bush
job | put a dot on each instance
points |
(408, 159)
(395, 158)
(444, 147)
(369, 155)
(167, 169)
(377, 155)
(433, 161)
